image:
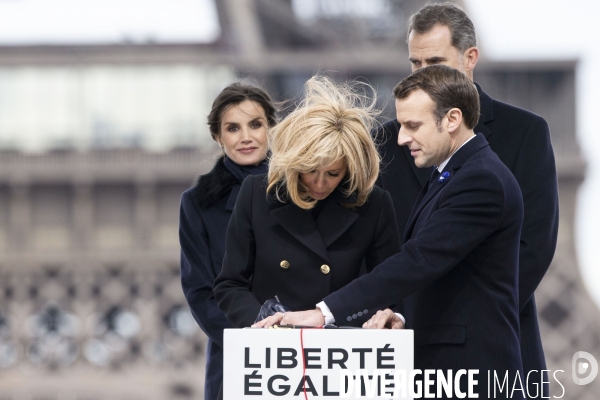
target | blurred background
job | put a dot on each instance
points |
(102, 126)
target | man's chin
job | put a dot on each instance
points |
(422, 164)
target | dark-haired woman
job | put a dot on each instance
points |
(239, 119)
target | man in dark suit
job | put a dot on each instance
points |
(459, 260)
(444, 34)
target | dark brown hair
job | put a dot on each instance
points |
(447, 14)
(447, 87)
(237, 93)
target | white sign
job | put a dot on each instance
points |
(339, 363)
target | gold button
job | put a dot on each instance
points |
(325, 269)
(284, 264)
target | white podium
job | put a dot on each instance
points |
(339, 363)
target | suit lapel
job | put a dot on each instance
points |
(334, 220)
(412, 217)
(301, 225)
(427, 194)
(486, 113)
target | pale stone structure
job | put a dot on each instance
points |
(90, 302)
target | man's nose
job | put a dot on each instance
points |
(403, 139)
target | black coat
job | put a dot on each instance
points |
(521, 140)
(266, 235)
(458, 268)
(204, 215)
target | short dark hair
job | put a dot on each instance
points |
(237, 93)
(447, 87)
(447, 14)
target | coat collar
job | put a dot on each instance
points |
(429, 191)
(332, 222)
(486, 113)
(210, 188)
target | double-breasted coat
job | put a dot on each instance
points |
(274, 248)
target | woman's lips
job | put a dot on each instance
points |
(247, 150)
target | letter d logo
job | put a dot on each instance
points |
(584, 363)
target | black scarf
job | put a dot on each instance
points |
(242, 171)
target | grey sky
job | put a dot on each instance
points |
(107, 21)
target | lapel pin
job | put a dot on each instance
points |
(443, 177)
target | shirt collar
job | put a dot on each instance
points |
(441, 167)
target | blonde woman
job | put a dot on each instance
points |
(305, 229)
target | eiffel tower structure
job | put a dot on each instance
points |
(90, 302)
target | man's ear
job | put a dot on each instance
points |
(454, 118)
(470, 58)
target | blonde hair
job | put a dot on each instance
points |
(332, 122)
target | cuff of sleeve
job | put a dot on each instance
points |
(401, 317)
(329, 320)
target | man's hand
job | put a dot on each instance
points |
(304, 318)
(385, 319)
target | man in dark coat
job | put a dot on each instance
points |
(459, 260)
(444, 34)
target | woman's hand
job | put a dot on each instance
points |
(303, 318)
(274, 319)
